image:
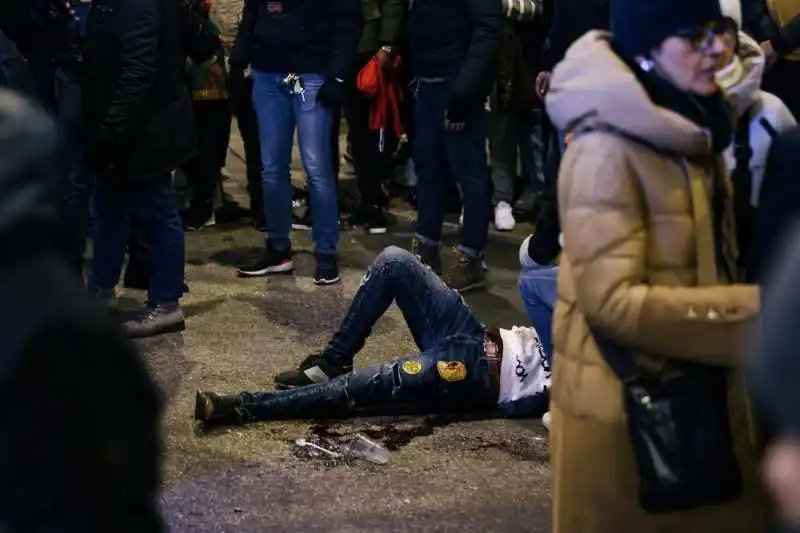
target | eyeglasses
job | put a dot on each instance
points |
(703, 37)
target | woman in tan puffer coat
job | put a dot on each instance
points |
(643, 196)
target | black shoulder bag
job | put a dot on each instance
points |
(680, 433)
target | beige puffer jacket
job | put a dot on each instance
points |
(638, 265)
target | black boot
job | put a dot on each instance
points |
(214, 410)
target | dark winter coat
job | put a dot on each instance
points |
(137, 108)
(302, 36)
(457, 39)
(14, 72)
(777, 21)
(79, 430)
(570, 20)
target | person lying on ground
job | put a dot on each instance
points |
(463, 366)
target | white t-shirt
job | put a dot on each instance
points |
(524, 371)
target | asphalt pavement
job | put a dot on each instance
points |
(445, 474)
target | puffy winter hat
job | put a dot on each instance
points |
(733, 10)
(639, 26)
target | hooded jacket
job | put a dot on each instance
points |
(741, 81)
(63, 454)
(639, 266)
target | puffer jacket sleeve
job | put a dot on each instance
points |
(138, 67)
(477, 71)
(605, 235)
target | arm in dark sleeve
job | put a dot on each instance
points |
(757, 20)
(775, 365)
(477, 73)
(347, 23)
(777, 202)
(138, 65)
(543, 247)
(392, 14)
(240, 55)
(788, 37)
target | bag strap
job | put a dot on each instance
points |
(616, 357)
(742, 175)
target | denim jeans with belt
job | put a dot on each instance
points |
(537, 286)
(440, 153)
(445, 330)
(279, 110)
(151, 206)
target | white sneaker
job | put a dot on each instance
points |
(461, 218)
(546, 420)
(503, 217)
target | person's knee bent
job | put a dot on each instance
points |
(393, 255)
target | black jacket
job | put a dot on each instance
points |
(14, 72)
(778, 203)
(302, 36)
(569, 20)
(79, 427)
(137, 108)
(758, 21)
(457, 39)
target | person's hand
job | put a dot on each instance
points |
(332, 94)
(384, 58)
(216, 75)
(769, 53)
(542, 84)
(455, 118)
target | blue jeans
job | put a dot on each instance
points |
(439, 153)
(538, 289)
(279, 111)
(443, 327)
(153, 208)
(74, 180)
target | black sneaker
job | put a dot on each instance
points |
(304, 222)
(374, 220)
(214, 410)
(314, 369)
(327, 272)
(272, 261)
(429, 255)
(155, 320)
(466, 274)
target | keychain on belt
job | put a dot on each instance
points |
(295, 85)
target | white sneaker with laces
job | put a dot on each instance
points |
(503, 217)
(546, 420)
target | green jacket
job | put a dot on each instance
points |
(382, 22)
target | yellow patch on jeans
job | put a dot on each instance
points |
(412, 368)
(451, 371)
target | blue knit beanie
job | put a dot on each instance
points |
(639, 26)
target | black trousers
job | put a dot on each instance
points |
(247, 121)
(213, 122)
(373, 166)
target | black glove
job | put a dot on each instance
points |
(332, 94)
(459, 109)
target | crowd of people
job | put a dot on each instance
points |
(654, 143)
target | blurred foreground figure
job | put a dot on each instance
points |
(776, 369)
(68, 463)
